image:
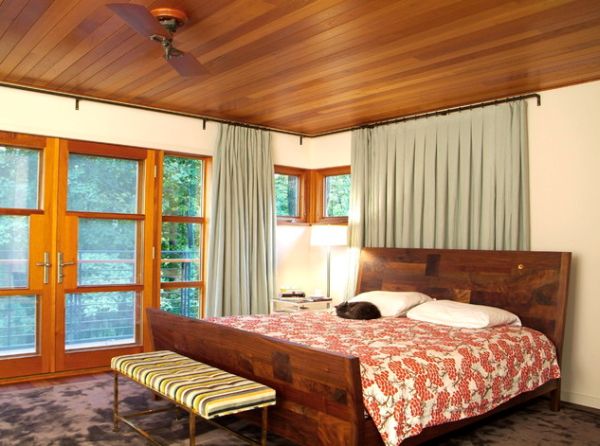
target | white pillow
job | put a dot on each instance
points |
(458, 314)
(392, 303)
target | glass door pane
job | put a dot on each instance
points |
(100, 319)
(20, 174)
(14, 251)
(106, 252)
(18, 325)
(102, 184)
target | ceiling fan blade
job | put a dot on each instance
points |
(187, 65)
(138, 18)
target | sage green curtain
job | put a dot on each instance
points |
(458, 180)
(241, 257)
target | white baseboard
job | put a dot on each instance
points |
(580, 398)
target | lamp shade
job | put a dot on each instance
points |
(328, 235)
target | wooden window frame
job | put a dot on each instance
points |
(202, 220)
(317, 198)
(303, 194)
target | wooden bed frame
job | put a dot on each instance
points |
(319, 394)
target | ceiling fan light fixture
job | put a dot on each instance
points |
(160, 24)
(170, 18)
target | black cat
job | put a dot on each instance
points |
(357, 310)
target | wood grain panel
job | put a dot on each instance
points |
(307, 66)
(326, 394)
(21, 140)
(531, 284)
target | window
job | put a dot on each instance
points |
(332, 194)
(290, 193)
(312, 196)
(336, 195)
(182, 235)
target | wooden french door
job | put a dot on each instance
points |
(75, 247)
(26, 305)
(104, 231)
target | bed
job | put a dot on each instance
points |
(320, 395)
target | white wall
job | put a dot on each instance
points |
(564, 147)
(41, 114)
(330, 151)
(48, 115)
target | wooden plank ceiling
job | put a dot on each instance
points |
(306, 66)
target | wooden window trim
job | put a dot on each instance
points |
(183, 219)
(13, 139)
(303, 194)
(108, 150)
(17, 211)
(105, 215)
(317, 200)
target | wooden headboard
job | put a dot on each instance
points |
(531, 284)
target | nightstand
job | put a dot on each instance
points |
(292, 306)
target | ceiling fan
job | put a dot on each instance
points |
(160, 25)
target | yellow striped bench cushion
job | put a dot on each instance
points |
(207, 391)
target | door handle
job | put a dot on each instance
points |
(60, 275)
(46, 265)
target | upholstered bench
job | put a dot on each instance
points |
(197, 388)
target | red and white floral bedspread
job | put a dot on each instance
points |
(416, 374)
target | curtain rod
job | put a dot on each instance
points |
(79, 98)
(433, 113)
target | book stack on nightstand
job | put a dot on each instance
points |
(291, 301)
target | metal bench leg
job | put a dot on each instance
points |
(192, 429)
(263, 434)
(116, 403)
